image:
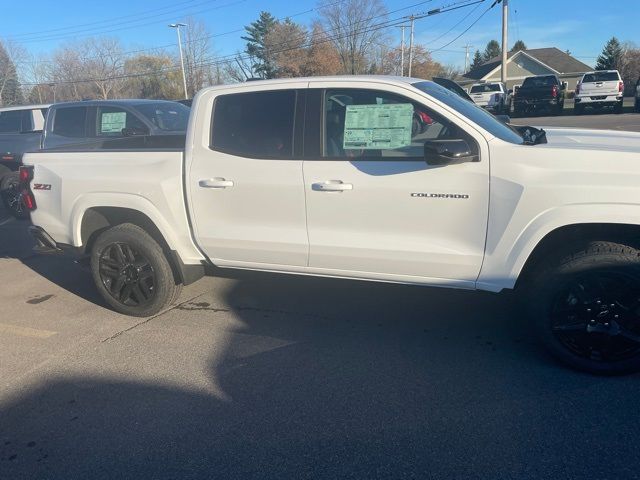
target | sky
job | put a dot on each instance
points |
(567, 24)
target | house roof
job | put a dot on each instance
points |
(553, 58)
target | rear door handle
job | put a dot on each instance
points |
(217, 182)
(331, 186)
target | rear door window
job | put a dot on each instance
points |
(11, 121)
(70, 122)
(254, 124)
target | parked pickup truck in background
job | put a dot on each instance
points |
(493, 96)
(542, 92)
(20, 132)
(603, 88)
(98, 124)
(322, 176)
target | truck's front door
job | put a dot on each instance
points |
(374, 207)
(244, 174)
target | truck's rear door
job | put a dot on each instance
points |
(244, 176)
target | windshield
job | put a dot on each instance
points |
(533, 82)
(166, 116)
(600, 77)
(489, 87)
(470, 110)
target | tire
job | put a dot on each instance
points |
(131, 271)
(619, 108)
(584, 306)
(11, 196)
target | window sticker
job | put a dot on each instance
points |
(113, 122)
(368, 127)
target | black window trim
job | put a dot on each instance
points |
(318, 109)
(297, 134)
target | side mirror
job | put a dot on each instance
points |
(134, 132)
(447, 152)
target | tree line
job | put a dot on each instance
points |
(350, 37)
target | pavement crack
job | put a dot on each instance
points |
(148, 319)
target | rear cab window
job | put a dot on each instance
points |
(254, 124)
(601, 77)
(490, 87)
(534, 82)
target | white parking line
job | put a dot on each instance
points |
(25, 331)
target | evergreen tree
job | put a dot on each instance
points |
(611, 56)
(519, 45)
(477, 60)
(10, 92)
(256, 33)
(492, 50)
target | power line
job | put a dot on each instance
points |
(232, 57)
(467, 29)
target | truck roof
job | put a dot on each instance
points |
(24, 107)
(117, 102)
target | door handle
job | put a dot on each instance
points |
(331, 186)
(217, 182)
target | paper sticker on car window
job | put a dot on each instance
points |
(113, 122)
(369, 127)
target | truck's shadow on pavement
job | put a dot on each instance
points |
(331, 379)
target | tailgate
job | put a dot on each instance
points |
(599, 88)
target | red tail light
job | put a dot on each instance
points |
(620, 86)
(26, 175)
(554, 91)
(425, 118)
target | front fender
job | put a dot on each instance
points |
(502, 267)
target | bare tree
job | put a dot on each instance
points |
(153, 76)
(285, 48)
(322, 56)
(11, 56)
(355, 27)
(197, 55)
(423, 65)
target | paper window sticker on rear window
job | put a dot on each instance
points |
(113, 122)
(375, 127)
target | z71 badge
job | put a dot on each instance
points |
(42, 186)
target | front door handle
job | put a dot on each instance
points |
(331, 186)
(217, 182)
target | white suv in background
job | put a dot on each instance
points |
(603, 88)
(492, 96)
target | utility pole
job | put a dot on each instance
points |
(184, 76)
(505, 14)
(412, 18)
(466, 56)
(402, 51)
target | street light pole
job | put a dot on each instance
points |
(184, 76)
(505, 13)
(412, 18)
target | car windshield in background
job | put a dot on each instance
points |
(491, 87)
(601, 77)
(166, 116)
(533, 82)
(473, 112)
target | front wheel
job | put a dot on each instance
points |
(586, 308)
(131, 271)
(12, 196)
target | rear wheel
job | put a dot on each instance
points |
(131, 271)
(618, 108)
(586, 307)
(12, 196)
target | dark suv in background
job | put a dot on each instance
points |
(542, 92)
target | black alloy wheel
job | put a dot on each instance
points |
(12, 196)
(127, 275)
(596, 316)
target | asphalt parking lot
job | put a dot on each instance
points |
(263, 376)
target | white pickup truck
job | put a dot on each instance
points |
(603, 88)
(493, 96)
(322, 176)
